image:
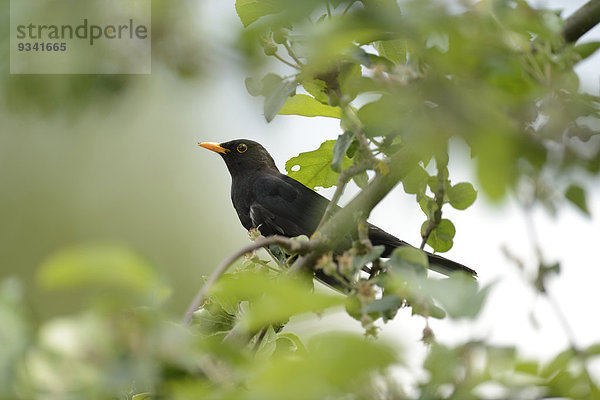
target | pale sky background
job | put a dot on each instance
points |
(570, 237)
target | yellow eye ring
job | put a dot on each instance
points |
(241, 148)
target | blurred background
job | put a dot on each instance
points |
(113, 159)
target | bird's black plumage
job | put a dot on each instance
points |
(279, 205)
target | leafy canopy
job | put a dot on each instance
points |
(495, 75)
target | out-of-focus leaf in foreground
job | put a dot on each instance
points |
(107, 266)
(273, 300)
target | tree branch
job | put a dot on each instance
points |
(293, 246)
(581, 21)
(331, 235)
(343, 179)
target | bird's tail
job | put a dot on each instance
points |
(445, 266)
(436, 263)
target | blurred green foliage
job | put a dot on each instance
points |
(495, 75)
(110, 159)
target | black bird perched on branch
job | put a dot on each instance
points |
(266, 199)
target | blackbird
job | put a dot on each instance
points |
(266, 199)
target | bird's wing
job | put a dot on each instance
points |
(285, 207)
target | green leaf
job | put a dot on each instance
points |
(362, 57)
(268, 344)
(461, 195)
(442, 363)
(282, 301)
(339, 150)
(276, 91)
(213, 318)
(559, 363)
(428, 205)
(576, 195)
(407, 258)
(441, 237)
(313, 168)
(495, 168)
(361, 179)
(284, 345)
(317, 89)
(408, 265)
(273, 300)
(334, 364)
(363, 259)
(586, 49)
(394, 50)
(253, 86)
(385, 305)
(593, 350)
(352, 149)
(528, 367)
(415, 182)
(93, 265)
(459, 295)
(381, 117)
(294, 339)
(251, 10)
(352, 82)
(308, 106)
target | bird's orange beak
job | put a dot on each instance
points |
(217, 148)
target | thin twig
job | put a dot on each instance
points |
(442, 176)
(274, 258)
(291, 245)
(532, 233)
(283, 60)
(363, 146)
(291, 53)
(348, 7)
(265, 264)
(562, 318)
(328, 10)
(535, 243)
(370, 161)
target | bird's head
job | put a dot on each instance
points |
(242, 155)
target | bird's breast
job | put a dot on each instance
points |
(242, 197)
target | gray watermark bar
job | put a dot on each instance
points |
(80, 37)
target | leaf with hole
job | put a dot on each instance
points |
(313, 168)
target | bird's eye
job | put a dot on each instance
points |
(242, 148)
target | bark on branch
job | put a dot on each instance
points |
(581, 21)
(334, 231)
